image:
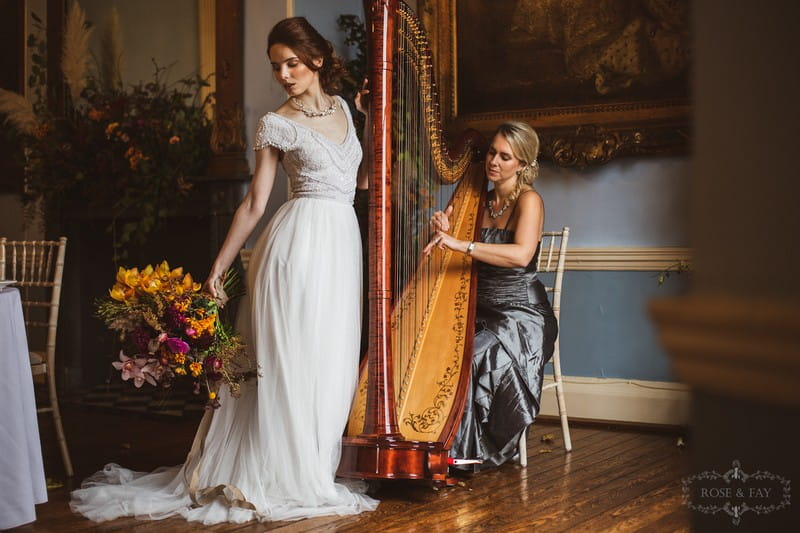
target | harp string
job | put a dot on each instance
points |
(423, 182)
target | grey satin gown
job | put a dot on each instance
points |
(515, 331)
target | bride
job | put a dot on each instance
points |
(272, 453)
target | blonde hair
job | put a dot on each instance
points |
(524, 144)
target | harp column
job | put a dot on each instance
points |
(380, 417)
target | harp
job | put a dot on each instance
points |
(413, 384)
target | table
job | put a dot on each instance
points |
(22, 481)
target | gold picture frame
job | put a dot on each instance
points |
(576, 127)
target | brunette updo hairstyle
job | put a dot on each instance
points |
(308, 44)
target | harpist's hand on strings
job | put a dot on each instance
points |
(440, 220)
(440, 223)
(442, 240)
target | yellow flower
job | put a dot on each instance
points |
(195, 368)
(179, 358)
(189, 285)
(163, 271)
(150, 285)
(212, 395)
(180, 371)
(128, 277)
(177, 273)
(117, 292)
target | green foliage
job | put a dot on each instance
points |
(355, 35)
(125, 153)
(678, 268)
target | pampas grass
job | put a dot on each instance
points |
(18, 111)
(75, 57)
(110, 64)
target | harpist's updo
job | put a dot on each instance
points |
(308, 44)
(524, 143)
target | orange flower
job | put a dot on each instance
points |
(135, 158)
(41, 131)
(96, 115)
(110, 129)
(195, 368)
(174, 139)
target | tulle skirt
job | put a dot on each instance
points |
(272, 453)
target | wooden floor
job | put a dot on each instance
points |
(614, 480)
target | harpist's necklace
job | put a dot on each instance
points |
(311, 113)
(494, 215)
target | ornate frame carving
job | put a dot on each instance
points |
(574, 136)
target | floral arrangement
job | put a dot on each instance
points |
(128, 152)
(169, 328)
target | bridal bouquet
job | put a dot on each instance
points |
(169, 328)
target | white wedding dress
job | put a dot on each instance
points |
(272, 454)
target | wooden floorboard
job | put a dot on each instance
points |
(613, 480)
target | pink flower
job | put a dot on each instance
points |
(190, 332)
(126, 365)
(177, 345)
(140, 369)
(162, 337)
(144, 372)
(159, 371)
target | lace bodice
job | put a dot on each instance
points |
(318, 167)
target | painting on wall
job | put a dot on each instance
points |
(597, 78)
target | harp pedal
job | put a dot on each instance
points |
(456, 462)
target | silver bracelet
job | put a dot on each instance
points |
(470, 247)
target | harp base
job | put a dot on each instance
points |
(375, 458)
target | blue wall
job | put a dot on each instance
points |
(605, 331)
(628, 202)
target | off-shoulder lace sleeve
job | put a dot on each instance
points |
(277, 132)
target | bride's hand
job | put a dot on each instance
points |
(213, 286)
(362, 101)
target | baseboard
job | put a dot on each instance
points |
(621, 400)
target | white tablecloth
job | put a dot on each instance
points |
(22, 482)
